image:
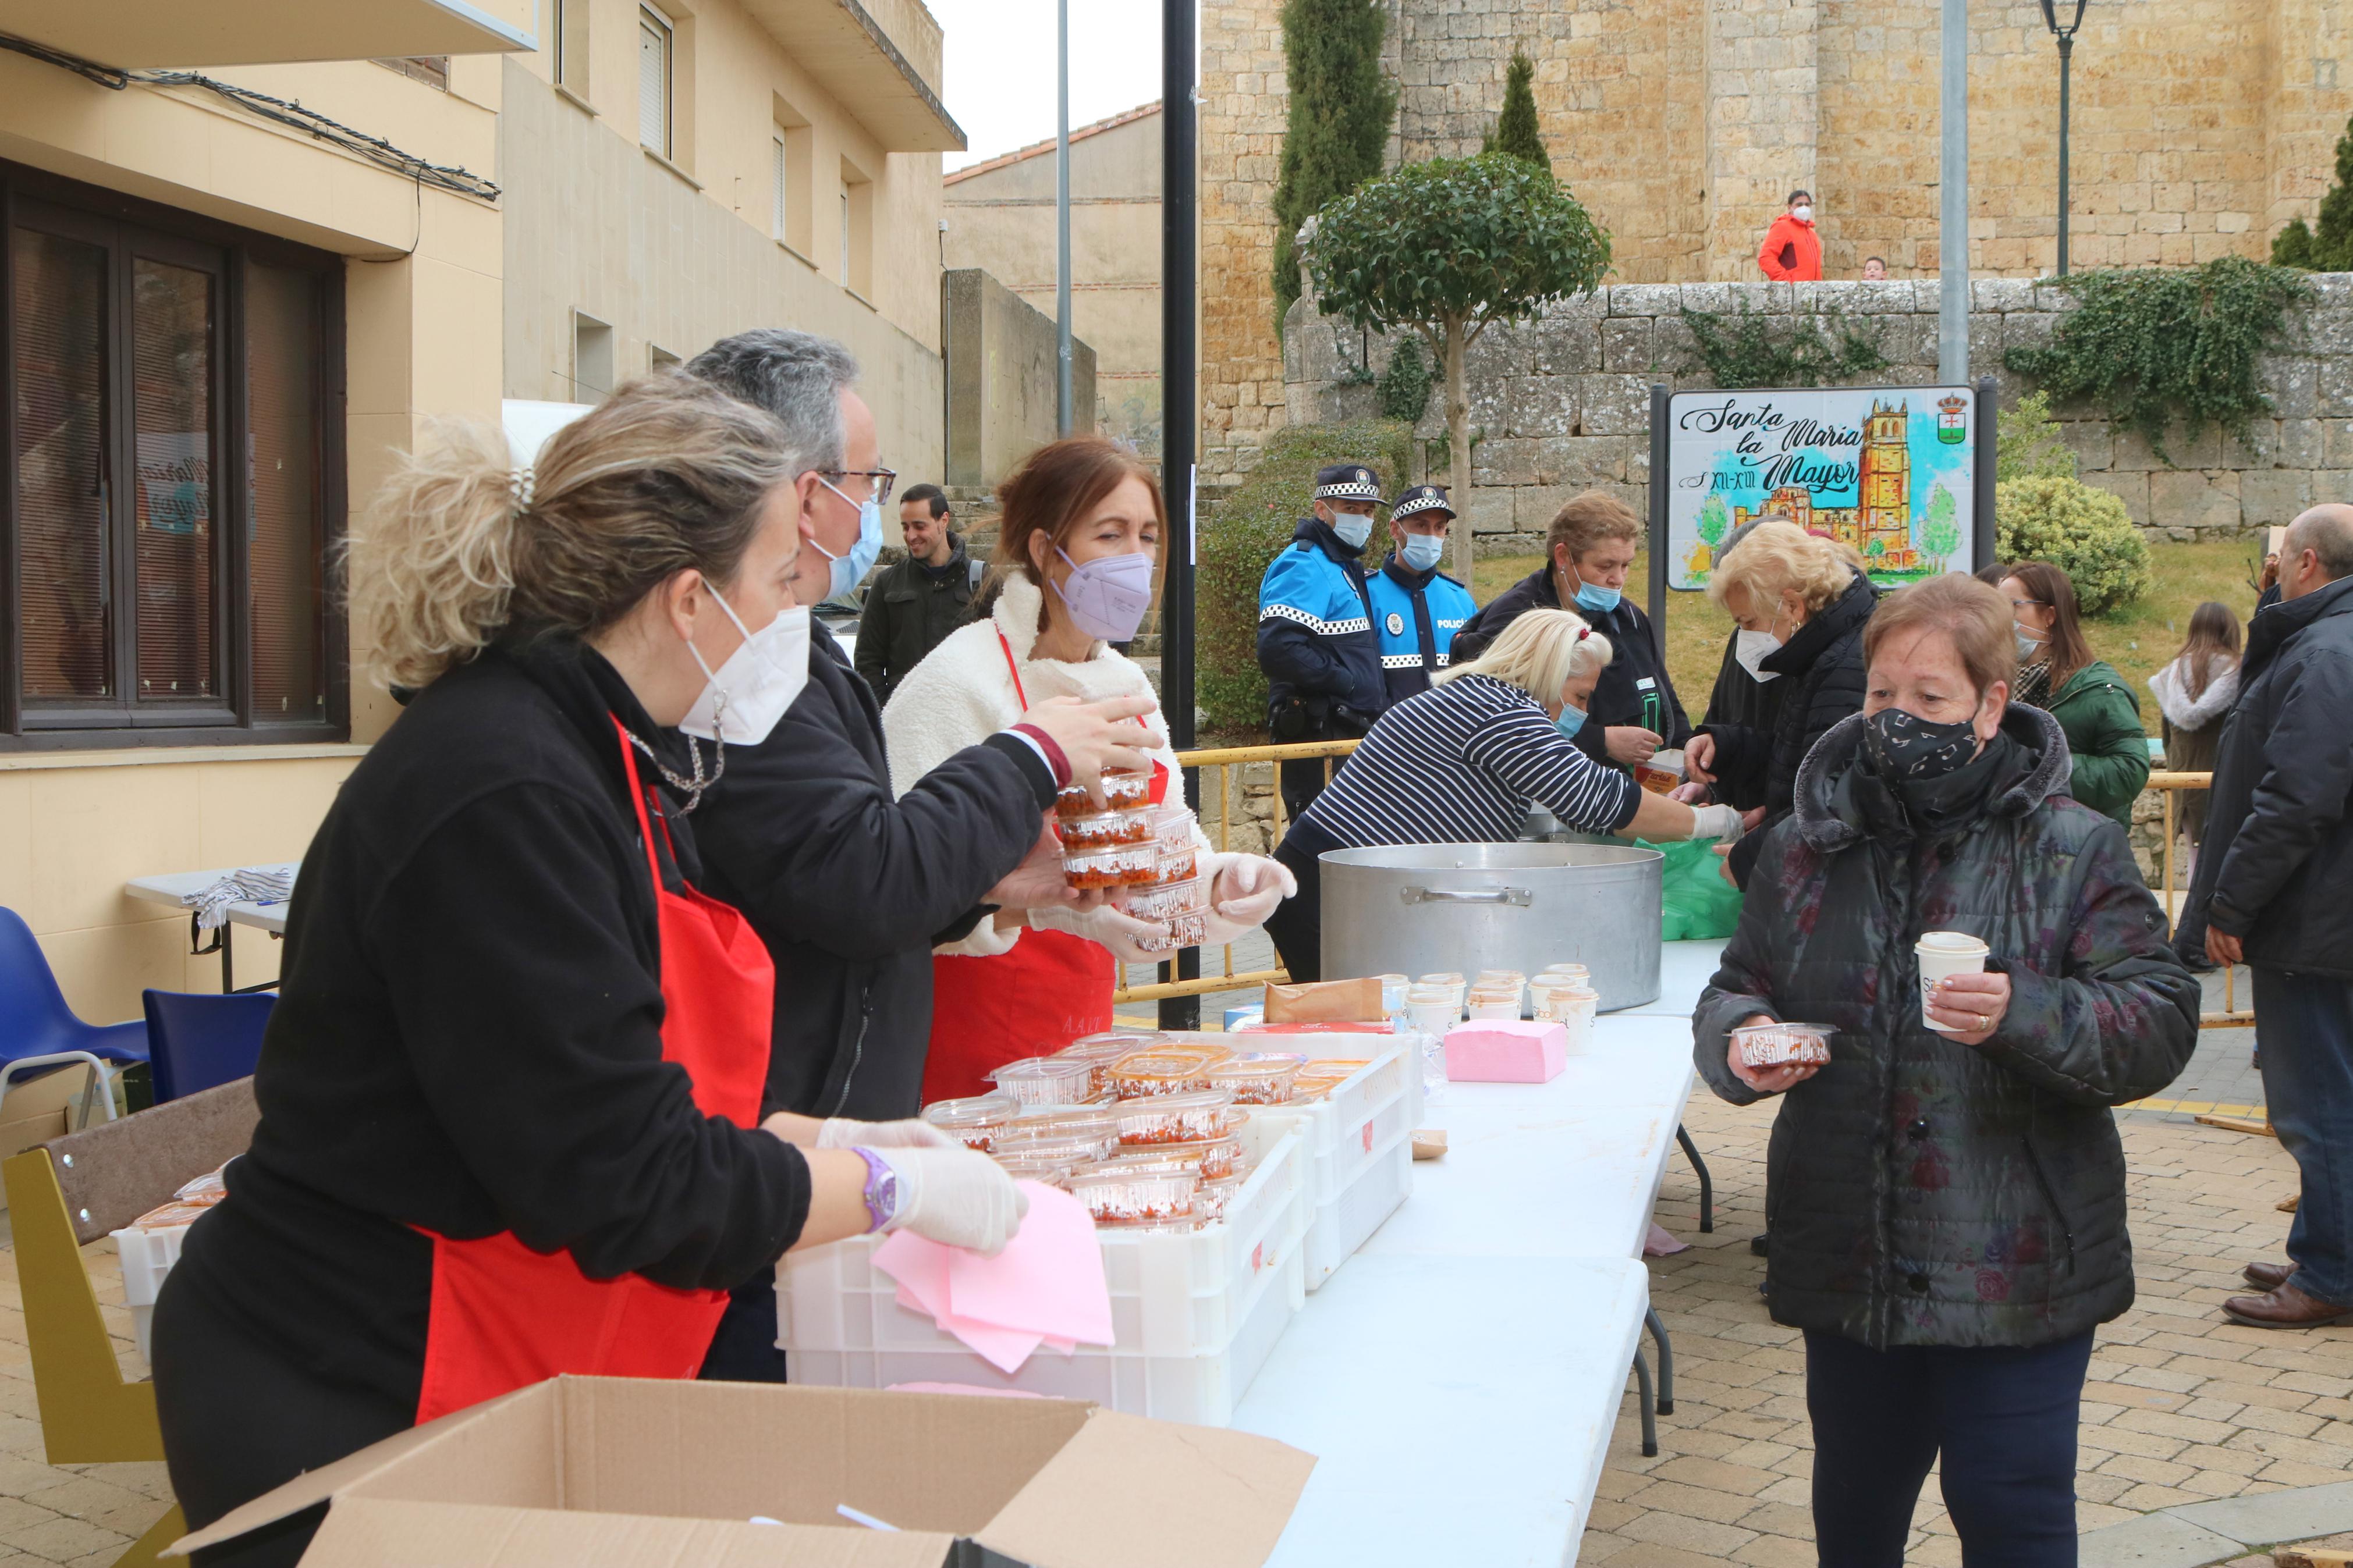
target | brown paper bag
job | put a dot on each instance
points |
(1325, 1002)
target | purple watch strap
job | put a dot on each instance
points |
(882, 1190)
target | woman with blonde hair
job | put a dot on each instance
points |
(1459, 763)
(1800, 602)
(511, 1092)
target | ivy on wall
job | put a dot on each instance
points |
(2148, 345)
(1748, 350)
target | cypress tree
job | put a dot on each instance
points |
(1340, 110)
(1516, 126)
(2327, 246)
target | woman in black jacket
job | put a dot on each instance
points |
(1802, 605)
(510, 1095)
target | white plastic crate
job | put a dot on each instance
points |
(1193, 1316)
(1345, 1221)
(147, 1256)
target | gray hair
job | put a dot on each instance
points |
(799, 377)
(2328, 531)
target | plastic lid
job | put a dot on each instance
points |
(1257, 1066)
(1174, 1104)
(1797, 1031)
(1097, 1048)
(980, 1111)
(1952, 942)
(1039, 1067)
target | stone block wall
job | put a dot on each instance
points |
(1561, 404)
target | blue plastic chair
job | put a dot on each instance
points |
(38, 1030)
(197, 1040)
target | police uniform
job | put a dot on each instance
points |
(1315, 640)
(1416, 614)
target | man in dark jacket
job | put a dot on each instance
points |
(2274, 891)
(913, 604)
(1315, 639)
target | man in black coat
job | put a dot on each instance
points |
(2274, 891)
(911, 606)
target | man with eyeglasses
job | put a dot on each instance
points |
(849, 886)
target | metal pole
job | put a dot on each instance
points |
(1179, 413)
(1065, 415)
(2066, 56)
(1953, 217)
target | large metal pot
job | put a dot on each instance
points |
(1418, 909)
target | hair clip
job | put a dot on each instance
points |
(519, 489)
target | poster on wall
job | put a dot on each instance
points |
(1891, 470)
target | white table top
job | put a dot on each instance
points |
(172, 886)
(1460, 1376)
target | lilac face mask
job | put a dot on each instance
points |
(1107, 596)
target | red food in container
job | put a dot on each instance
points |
(1259, 1079)
(1102, 829)
(977, 1120)
(1159, 1191)
(1120, 866)
(1165, 900)
(1190, 929)
(1185, 1118)
(1121, 792)
(1042, 1080)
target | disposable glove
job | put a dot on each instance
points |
(1721, 823)
(1245, 889)
(957, 1197)
(842, 1132)
(1113, 927)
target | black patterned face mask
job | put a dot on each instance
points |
(1905, 748)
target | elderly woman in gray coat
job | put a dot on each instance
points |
(1948, 1202)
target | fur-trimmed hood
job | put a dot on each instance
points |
(1830, 818)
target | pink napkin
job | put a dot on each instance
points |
(1046, 1288)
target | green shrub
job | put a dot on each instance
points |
(2327, 246)
(2083, 531)
(2027, 443)
(1247, 530)
(1515, 129)
(1405, 385)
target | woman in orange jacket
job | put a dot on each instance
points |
(1792, 251)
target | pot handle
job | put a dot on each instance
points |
(1517, 897)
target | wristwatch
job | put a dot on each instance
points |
(882, 1191)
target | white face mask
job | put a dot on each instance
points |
(1803, 212)
(1752, 650)
(1352, 527)
(743, 700)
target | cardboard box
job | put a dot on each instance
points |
(1506, 1051)
(636, 1473)
(40, 1109)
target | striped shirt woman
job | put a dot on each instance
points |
(1459, 763)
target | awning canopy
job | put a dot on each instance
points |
(135, 33)
(840, 43)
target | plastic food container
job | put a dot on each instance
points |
(1166, 900)
(1324, 1074)
(1176, 864)
(1214, 1157)
(1023, 1168)
(1102, 829)
(1152, 1073)
(1078, 1154)
(1121, 792)
(1184, 1117)
(1171, 826)
(976, 1121)
(1258, 1080)
(1211, 1198)
(1077, 1128)
(1122, 866)
(1162, 1189)
(1044, 1080)
(1185, 931)
(1783, 1045)
(1100, 1051)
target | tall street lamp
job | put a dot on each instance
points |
(2066, 36)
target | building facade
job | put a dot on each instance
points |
(2198, 130)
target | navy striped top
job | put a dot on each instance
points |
(1458, 764)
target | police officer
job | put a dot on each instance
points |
(1315, 636)
(1417, 608)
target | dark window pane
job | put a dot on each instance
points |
(174, 516)
(289, 585)
(58, 376)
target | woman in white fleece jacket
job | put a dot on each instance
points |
(2195, 693)
(1081, 530)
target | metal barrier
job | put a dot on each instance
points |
(1227, 761)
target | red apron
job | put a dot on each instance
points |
(504, 1316)
(1052, 988)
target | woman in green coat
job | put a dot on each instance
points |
(2096, 709)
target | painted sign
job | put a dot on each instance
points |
(176, 484)
(1890, 470)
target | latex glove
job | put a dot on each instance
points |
(1111, 926)
(1245, 889)
(1721, 823)
(957, 1197)
(842, 1132)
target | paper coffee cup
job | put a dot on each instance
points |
(1942, 956)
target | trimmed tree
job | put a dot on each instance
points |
(1448, 248)
(2329, 247)
(1340, 109)
(1940, 533)
(1515, 129)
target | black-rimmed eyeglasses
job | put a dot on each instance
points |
(882, 480)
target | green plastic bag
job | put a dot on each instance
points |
(1696, 903)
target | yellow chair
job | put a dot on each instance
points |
(72, 1191)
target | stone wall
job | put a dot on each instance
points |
(2200, 126)
(1562, 403)
(1004, 380)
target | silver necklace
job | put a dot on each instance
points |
(692, 788)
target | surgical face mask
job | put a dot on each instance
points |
(1803, 212)
(849, 570)
(742, 698)
(1600, 600)
(1570, 721)
(1108, 595)
(2029, 646)
(1906, 747)
(1352, 527)
(1421, 552)
(1752, 650)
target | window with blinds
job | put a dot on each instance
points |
(173, 488)
(655, 38)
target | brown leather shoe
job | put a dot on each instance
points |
(2268, 1276)
(2285, 1307)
